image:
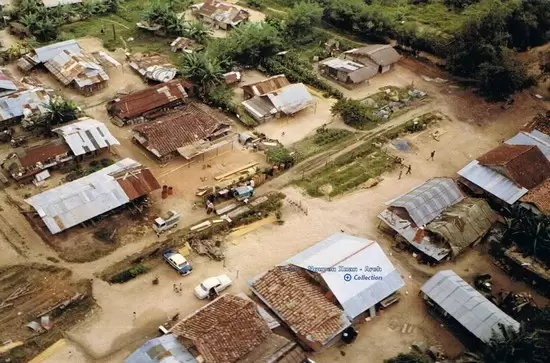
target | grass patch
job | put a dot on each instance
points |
(347, 171)
(324, 139)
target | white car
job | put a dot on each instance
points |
(212, 284)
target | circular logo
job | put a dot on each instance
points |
(347, 277)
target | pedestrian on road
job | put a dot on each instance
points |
(408, 170)
(181, 287)
(175, 288)
(282, 134)
(432, 154)
(400, 174)
(134, 316)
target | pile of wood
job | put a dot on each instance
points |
(213, 248)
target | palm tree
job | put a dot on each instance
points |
(530, 232)
(202, 71)
(509, 345)
(59, 111)
(197, 31)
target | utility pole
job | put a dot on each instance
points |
(114, 32)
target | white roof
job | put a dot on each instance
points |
(73, 203)
(466, 305)
(291, 99)
(86, 135)
(342, 250)
(492, 182)
(211, 282)
(44, 54)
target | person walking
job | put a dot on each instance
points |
(432, 154)
(400, 174)
(408, 170)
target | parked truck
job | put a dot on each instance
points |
(162, 225)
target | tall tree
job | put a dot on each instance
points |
(301, 19)
(515, 346)
(204, 72)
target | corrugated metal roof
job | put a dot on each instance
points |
(164, 349)
(70, 67)
(265, 86)
(466, 305)
(73, 203)
(86, 135)
(259, 107)
(154, 66)
(44, 54)
(381, 54)
(149, 99)
(24, 103)
(535, 138)
(291, 99)
(345, 65)
(492, 182)
(6, 84)
(54, 3)
(342, 250)
(425, 202)
(414, 235)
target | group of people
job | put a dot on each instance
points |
(409, 167)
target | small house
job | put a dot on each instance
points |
(464, 307)
(86, 137)
(347, 71)
(153, 67)
(509, 171)
(274, 97)
(182, 44)
(220, 15)
(23, 104)
(189, 131)
(231, 329)
(148, 103)
(381, 56)
(163, 349)
(232, 77)
(69, 64)
(24, 164)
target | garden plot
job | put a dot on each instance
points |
(393, 101)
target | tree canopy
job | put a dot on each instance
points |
(301, 19)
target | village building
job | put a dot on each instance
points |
(464, 308)
(312, 294)
(220, 15)
(182, 44)
(508, 172)
(69, 64)
(347, 71)
(437, 220)
(86, 137)
(189, 131)
(23, 104)
(24, 164)
(163, 349)
(381, 56)
(232, 329)
(91, 196)
(153, 67)
(7, 85)
(148, 103)
(275, 96)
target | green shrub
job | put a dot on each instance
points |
(279, 155)
(353, 112)
(128, 274)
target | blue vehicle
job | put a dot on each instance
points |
(178, 262)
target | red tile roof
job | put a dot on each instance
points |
(300, 302)
(526, 165)
(179, 128)
(138, 103)
(540, 197)
(42, 153)
(225, 330)
(137, 183)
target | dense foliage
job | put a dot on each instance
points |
(511, 346)
(203, 71)
(407, 358)
(301, 19)
(530, 232)
(44, 22)
(171, 24)
(353, 112)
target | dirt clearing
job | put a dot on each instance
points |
(28, 292)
